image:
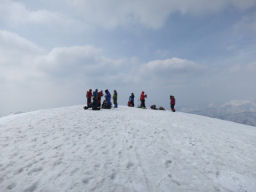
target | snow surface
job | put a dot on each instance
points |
(124, 149)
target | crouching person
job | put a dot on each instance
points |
(153, 107)
(107, 102)
(95, 104)
(131, 100)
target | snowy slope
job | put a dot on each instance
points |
(124, 149)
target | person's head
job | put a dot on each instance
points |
(90, 90)
(106, 91)
(132, 94)
(114, 91)
(142, 92)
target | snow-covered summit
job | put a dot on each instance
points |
(124, 149)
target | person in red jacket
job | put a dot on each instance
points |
(142, 99)
(89, 98)
(172, 98)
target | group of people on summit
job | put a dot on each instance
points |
(94, 100)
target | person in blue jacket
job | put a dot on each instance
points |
(107, 103)
(108, 97)
(95, 94)
(131, 100)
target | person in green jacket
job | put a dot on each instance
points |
(115, 99)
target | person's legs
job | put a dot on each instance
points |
(172, 107)
(143, 104)
(88, 102)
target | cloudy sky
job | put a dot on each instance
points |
(201, 51)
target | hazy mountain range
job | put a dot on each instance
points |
(240, 111)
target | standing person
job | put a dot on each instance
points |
(100, 94)
(89, 98)
(115, 99)
(95, 94)
(95, 100)
(131, 100)
(172, 98)
(142, 100)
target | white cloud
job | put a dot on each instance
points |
(246, 25)
(170, 68)
(112, 13)
(151, 13)
(15, 14)
(82, 64)
(20, 58)
(17, 57)
(173, 64)
(243, 68)
(35, 78)
(12, 41)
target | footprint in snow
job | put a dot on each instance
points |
(31, 188)
(11, 186)
(113, 176)
(129, 165)
(19, 171)
(5, 145)
(87, 180)
(35, 170)
(90, 150)
(96, 166)
(74, 171)
(58, 162)
(57, 147)
(168, 163)
(1, 179)
(21, 157)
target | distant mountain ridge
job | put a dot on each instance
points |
(240, 111)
